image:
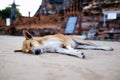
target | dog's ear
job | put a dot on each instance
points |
(17, 50)
(27, 35)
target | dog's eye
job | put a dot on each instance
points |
(30, 44)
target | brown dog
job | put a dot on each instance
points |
(58, 43)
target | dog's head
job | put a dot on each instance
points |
(30, 45)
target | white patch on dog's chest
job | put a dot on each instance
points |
(52, 44)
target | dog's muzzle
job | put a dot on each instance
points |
(37, 51)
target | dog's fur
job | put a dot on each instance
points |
(58, 43)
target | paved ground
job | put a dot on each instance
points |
(98, 65)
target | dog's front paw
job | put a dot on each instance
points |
(81, 55)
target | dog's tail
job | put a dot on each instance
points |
(17, 50)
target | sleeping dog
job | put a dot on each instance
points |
(66, 44)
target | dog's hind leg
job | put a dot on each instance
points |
(71, 52)
(82, 44)
(94, 47)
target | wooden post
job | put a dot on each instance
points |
(80, 17)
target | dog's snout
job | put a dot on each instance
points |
(37, 51)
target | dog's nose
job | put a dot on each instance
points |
(37, 51)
